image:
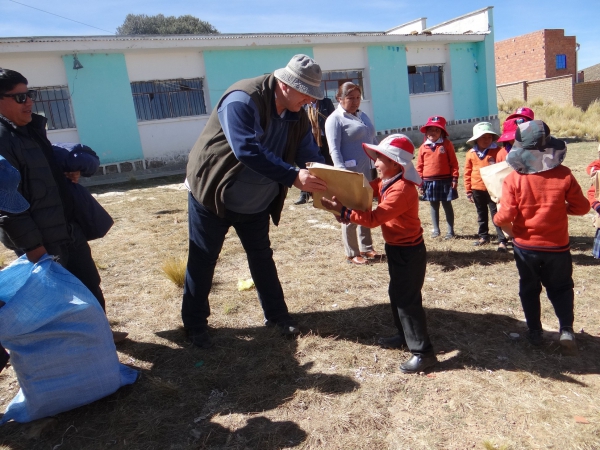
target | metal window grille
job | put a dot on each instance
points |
(561, 61)
(54, 103)
(165, 99)
(423, 79)
(334, 79)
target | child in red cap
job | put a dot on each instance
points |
(438, 167)
(508, 137)
(398, 215)
(592, 168)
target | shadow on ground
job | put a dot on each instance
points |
(188, 393)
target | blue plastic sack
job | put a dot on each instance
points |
(59, 339)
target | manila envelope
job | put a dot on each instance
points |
(350, 188)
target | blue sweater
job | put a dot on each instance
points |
(261, 151)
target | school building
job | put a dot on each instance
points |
(141, 101)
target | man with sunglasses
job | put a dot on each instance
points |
(48, 225)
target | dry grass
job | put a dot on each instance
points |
(564, 121)
(332, 388)
(174, 269)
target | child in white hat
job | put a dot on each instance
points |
(398, 215)
(484, 153)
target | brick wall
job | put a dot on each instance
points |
(520, 58)
(591, 73)
(511, 91)
(586, 93)
(533, 56)
(556, 43)
(558, 90)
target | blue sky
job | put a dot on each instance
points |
(511, 17)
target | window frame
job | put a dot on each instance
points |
(438, 80)
(59, 117)
(170, 103)
(331, 85)
(560, 59)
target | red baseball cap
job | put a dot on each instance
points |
(509, 128)
(523, 112)
(435, 121)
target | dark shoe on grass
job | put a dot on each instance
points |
(119, 336)
(480, 242)
(418, 363)
(396, 342)
(568, 344)
(502, 247)
(302, 199)
(200, 338)
(287, 326)
(535, 337)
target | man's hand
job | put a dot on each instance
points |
(73, 176)
(35, 254)
(309, 183)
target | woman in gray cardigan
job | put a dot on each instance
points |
(346, 129)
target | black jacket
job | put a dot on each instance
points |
(42, 184)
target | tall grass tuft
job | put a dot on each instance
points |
(564, 121)
(174, 269)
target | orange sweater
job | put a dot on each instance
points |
(438, 164)
(501, 156)
(397, 213)
(594, 166)
(537, 206)
(473, 164)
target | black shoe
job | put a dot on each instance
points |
(200, 338)
(397, 341)
(302, 199)
(567, 342)
(480, 242)
(535, 337)
(287, 326)
(418, 363)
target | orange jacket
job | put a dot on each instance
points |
(397, 213)
(501, 156)
(537, 205)
(438, 164)
(591, 193)
(473, 164)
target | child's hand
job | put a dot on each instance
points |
(332, 205)
(454, 185)
(470, 197)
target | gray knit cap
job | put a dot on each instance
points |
(302, 74)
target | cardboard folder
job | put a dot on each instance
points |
(493, 177)
(350, 188)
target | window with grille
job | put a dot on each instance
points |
(424, 79)
(334, 79)
(166, 99)
(54, 103)
(561, 62)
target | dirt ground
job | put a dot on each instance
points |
(333, 387)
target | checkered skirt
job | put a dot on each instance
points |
(439, 191)
(596, 248)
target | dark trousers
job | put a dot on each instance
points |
(482, 202)
(407, 274)
(76, 257)
(553, 270)
(206, 235)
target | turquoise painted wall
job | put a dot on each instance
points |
(103, 106)
(225, 67)
(389, 86)
(469, 80)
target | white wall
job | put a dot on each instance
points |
(40, 69)
(477, 21)
(423, 106)
(426, 54)
(164, 64)
(170, 138)
(67, 135)
(417, 25)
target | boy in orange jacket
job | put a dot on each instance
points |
(536, 199)
(593, 167)
(398, 215)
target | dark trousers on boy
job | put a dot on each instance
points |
(482, 202)
(407, 274)
(554, 271)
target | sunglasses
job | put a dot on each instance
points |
(22, 97)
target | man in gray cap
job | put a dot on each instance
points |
(238, 174)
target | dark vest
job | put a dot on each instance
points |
(212, 164)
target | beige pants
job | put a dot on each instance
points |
(356, 239)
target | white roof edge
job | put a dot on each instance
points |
(405, 25)
(456, 19)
